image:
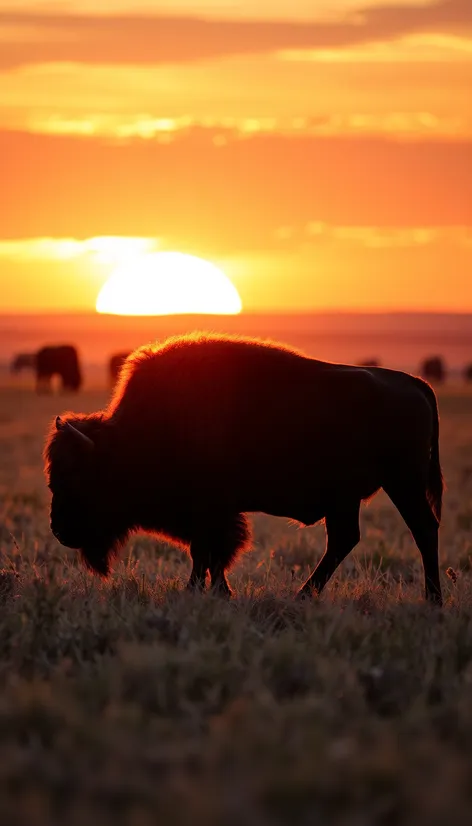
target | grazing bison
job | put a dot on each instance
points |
(62, 361)
(433, 369)
(59, 361)
(203, 429)
(114, 366)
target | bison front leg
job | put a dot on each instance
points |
(342, 533)
(199, 568)
(216, 545)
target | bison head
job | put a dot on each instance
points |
(84, 512)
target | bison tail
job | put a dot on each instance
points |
(435, 483)
(435, 487)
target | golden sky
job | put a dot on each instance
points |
(319, 152)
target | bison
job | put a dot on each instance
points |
(114, 366)
(62, 361)
(59, 360)
(433, 369)
(203, 429)
(372, 362)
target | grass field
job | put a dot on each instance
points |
(130, 702)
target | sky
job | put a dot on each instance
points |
(318, 151)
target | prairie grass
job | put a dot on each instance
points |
(132, 702)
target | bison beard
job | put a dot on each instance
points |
(204, 429)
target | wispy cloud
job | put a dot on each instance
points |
(143, 39)
(221, 131)
(102, 249)
(111, 250)
(411, 48)
(375, 237)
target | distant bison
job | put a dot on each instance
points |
(204, 429)
(62, 361)
(369, 363)
(433, 369)
(114, 366)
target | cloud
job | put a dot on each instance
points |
(319, 233)
(102, 249)
(112, 250)
(142, 39)
(410, 48)
(376, 237)
(221, 131)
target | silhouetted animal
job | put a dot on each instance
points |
(23, 361)
(203, 429)
(468, 373)
(62, 361)
(115, 364)
(433, 369)
(369, 363)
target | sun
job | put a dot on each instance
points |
(165, 283)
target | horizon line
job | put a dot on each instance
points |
(5, 313)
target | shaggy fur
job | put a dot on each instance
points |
(114, 366)
(203, 429)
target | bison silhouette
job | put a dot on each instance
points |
(372, 362)
(58, 360)
(204, 429)
(433, 369)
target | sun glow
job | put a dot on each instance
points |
(165, 283)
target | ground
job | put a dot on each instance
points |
(133, 702)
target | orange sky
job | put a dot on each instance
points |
(320, 153)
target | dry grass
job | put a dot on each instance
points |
(130, 702)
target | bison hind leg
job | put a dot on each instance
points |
(411, 501)
(215, 547)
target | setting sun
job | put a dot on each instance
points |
(165, 283)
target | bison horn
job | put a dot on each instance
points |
(84, 440)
